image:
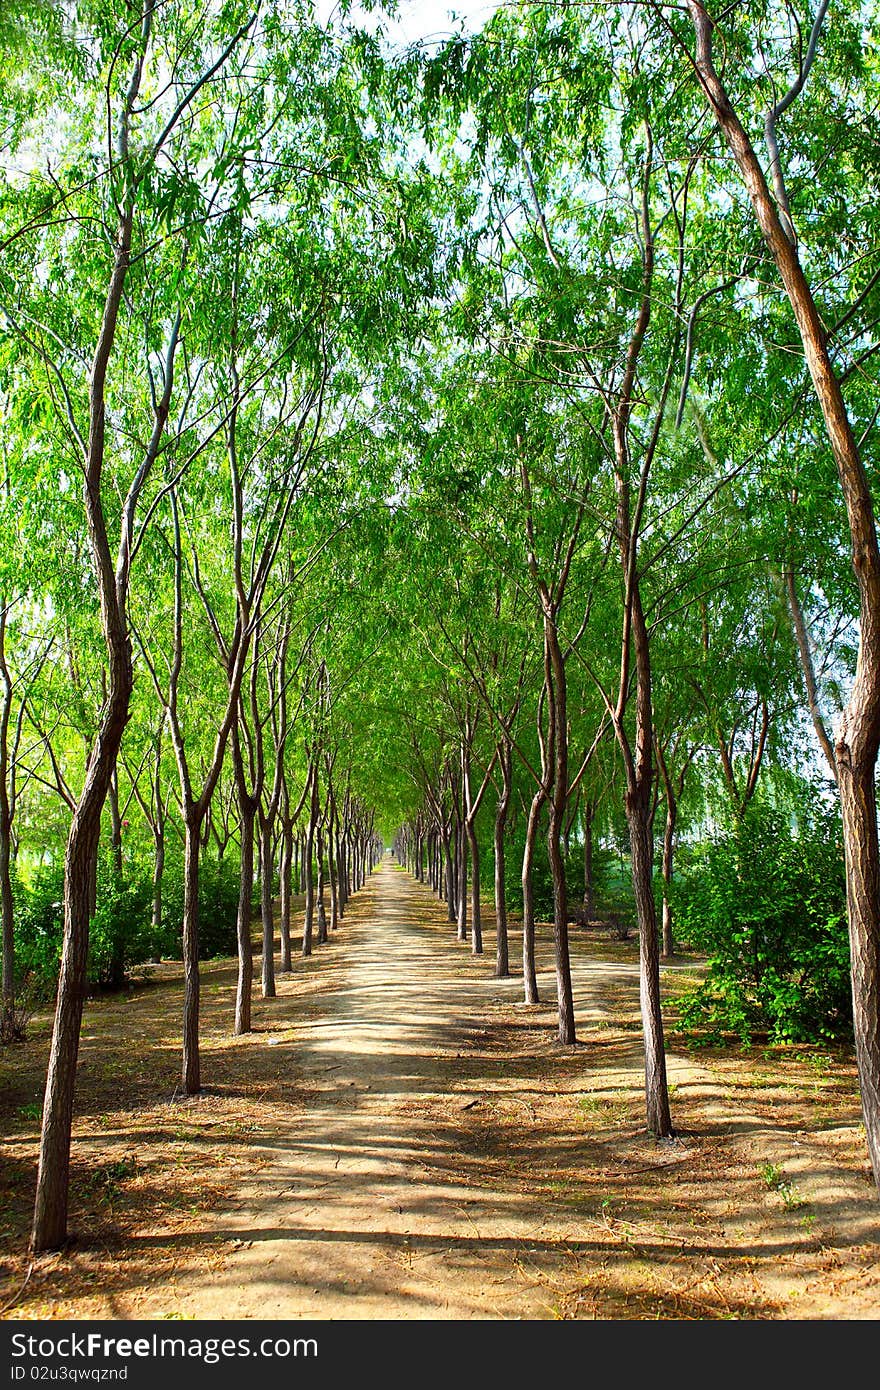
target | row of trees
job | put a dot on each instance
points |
(384, 428)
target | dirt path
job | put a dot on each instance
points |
(400, 1138)
(351, 1217)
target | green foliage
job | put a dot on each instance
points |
(218, 906)
(38, 928)
(121, 934)
(766, 901)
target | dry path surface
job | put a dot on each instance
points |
(350, 1218)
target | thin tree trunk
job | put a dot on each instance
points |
(115, 825)
(476, 914)
(158, 879)
(285, 890)
(502, 956)
(309, 914)
(267, 979)
(530, 979)
(322, 913)
(7, 903)
(8, 913)
(244, 989)
(656, 1090)
(589, 886)
(556, 700)
(450, 876)
(461, 890)
(667, 935)
(191, 1080)
(805, 654)
(333, 870)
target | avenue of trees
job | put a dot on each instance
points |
(470, 446)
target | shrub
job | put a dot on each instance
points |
(39, 928)
(121, 933)
(767, 902)
(119, 936)
(218, 907)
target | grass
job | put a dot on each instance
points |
(776, 1181)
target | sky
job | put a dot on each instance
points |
(419, 19)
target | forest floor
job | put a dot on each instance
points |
(401, 1138)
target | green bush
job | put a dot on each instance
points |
(38, 928)
(121, 933)
(766, 901)
(218, 906)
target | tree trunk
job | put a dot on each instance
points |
(8, 912)
(7, 904)
(450, 876)
(115, 825)
(333, 873)
(556, 701)
(309, 913)
(285, 889)
(667, 936)
(530, 979)
(267, 980)
(589, 886)
(244, 989)
(656, 1091)
(502, 956)
(158, 879)
(322, 913)
(476, 915)
(191, 1077)
(341, 871)
(50, 1212)
(859, 809)
(461, 890)
(80, 878)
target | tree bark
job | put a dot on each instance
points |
(667, 934)
(856, 781)
(659, 1120)
(461, 889)
(244, 990)
(115, 825)
(267, 978)
(322, 911)
(556, 703)
(502, 954)
(450, 875)
(285, 889)
(7, 903)
(589, 885)
(530, 979)
(191, 1075)
(158, 879)
(308, 872)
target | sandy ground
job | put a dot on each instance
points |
(430, 1152)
